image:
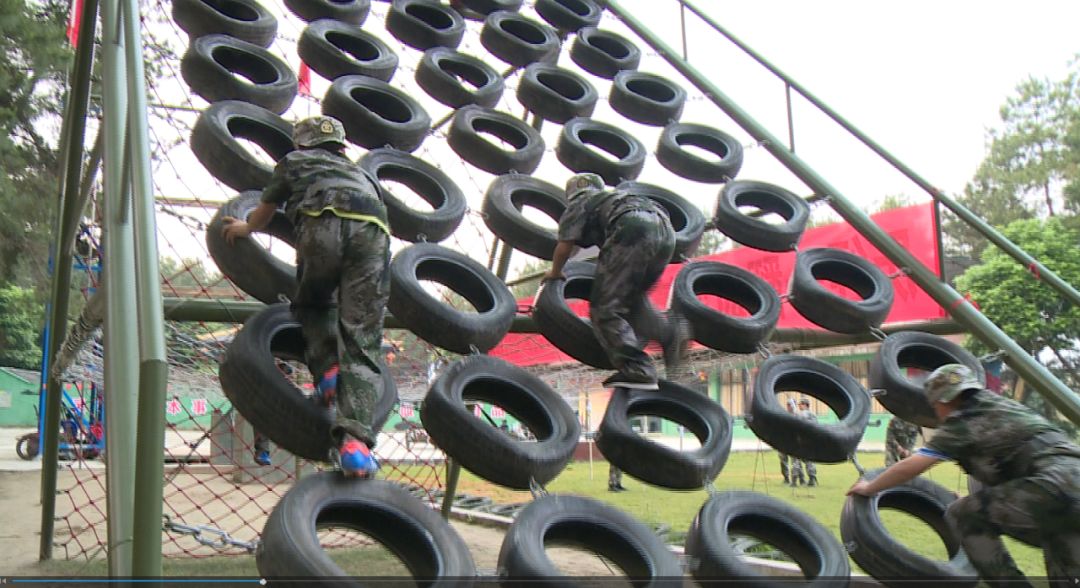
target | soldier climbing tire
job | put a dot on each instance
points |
(272, 404)
(247, 263)
(687, 220)
(604, 53)
(428, 182)
(333, 49)
(558, 322)
(714, 328)
(376, 114)
(214, 142)
(425, 542)
(246, 20)
(504, 201)
(832, 311)
(220, 67)
(486, 450)
(754, 232)
(467, 139)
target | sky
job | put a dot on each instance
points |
(923, 79)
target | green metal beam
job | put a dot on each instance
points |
(970, 318)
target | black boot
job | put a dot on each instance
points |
(813, 481)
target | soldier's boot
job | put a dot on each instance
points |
(813, 481)
(326, 388)
(798, 481)
(787, 480)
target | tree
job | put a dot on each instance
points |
(21, 318)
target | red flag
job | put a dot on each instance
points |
(74, 20)
(303, 78)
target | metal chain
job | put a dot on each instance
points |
(208, 535)
(858, 468)
(878, 333)
(537, 489)
(764, 350)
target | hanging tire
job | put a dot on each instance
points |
(376, 114)
(220, 67)
(832, 311)
(657, 463)
(436, 321)
(347, 11)
(890, 561)
(714, 328)
(274, 406)
(647, 98)
(456, 79)
(603, 53)
(333, 49)
(754, 232)
(687, 220)
(561, 326)
(586, 523)
(580, 136)
(486, 7)
(246, 262)
(670, 152)
(556, 94)
(423, 24)
(725, 515)
(502, 212)
(486, 450)
(429, 182)
(519, 40)
(798, 437)
(214, 143)
(425, 542)
(246, 20)
(28, 446)
(910, 349)
(569, 16)
(467, 138)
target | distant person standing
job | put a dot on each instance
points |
(797, 467)
(785, 459)
(900, 439)
(614, 479)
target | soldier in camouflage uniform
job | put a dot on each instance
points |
(797, 465)
(342, 245)
(900, 439)
(636, 243)
(1031, 472)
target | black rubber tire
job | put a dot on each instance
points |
(588, 523)
(346, 11)
(220, 67)
(503, 202)
(423, 24)
(687, 219)
(441, 72)
(798, 437)
(488, 451)
(754, 232)
(425, 542)
(246, 20)
(604, 53)
(570, 333)
(715, 329)
(429, 182)
(333, 49)
(569, 16)
(671, 154)
(890, 561)
(575, 150)
(831, 311)
(247, 263)
(910, 349)
(657, 463)
(486, 7)
(437, 322)
(376, 114)
(519, 40)
(812, 546)
(275, 407)
(28, 446)
(467, 138)
(556, 94)
(647, 98)
(214, 143)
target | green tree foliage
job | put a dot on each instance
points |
(21, 318)
(32, 74)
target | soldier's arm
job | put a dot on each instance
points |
(898, 473)
(562, 252)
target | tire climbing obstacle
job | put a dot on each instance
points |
(464, 59)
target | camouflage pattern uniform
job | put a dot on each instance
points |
(797, 465)
(899, 435)
(636, 243)
(1032, 475)
(784, 469)
(614, 477)
(342, 244)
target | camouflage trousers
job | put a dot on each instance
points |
(1042, 509)
(614, 476)
(340, 303)
(892, 455)
(794, 471)
(638, 248)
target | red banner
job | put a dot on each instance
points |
(912, 227)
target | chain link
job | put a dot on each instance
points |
(208, 535)
(537, 489)
(878, 333)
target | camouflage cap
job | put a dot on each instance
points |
(582, 183)
(317, 130)
(948, 381)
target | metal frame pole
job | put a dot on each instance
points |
(121, 333)
(153, 368)
(68, 211)
(1024, 364)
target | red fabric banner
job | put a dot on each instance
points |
(74, 20)
(303, 79)
(912, 227)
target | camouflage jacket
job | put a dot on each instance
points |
(587, 219)
(900, 434)
(310, 181)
